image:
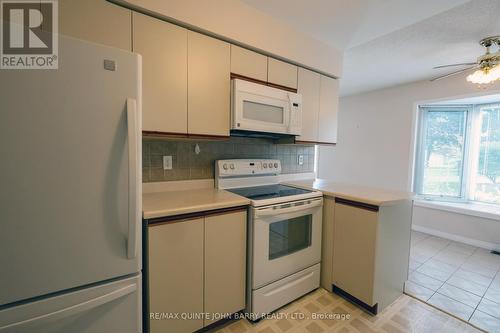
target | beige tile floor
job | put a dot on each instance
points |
(405, 315)
(458, 278)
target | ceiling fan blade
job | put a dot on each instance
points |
(453, 73)
(461, 64)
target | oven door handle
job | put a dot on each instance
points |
(275, 210)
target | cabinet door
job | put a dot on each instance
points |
(282, 73)
(97, 21)
(248, 63)
(208, 85)
(309, 86)
(225, 263)
(355, 232)
(163, 47)
(328, 110)
(327, 243)
(176, 274)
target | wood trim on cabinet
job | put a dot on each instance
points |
(269, 84)
(317, 143)
(191, 216)
(222, 322)
(357, 204)
(183, 135)
(373, 309)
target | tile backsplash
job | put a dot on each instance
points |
(186, 164)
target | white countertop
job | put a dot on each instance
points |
(369, 195)
(170, 203)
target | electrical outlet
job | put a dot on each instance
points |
(300, 160)
(167, 162)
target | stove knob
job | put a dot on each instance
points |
(232, 166)
(265, 166)
(224, 166)
(275, 165)
(270, 165)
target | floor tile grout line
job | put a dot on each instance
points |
(458, 267)
(480, 301)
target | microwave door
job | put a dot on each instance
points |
(261, 113)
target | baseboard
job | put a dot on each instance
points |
(457, 238)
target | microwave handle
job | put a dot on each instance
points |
(289, 113)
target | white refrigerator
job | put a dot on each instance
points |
(70, 193)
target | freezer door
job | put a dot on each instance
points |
(110, 307)
(70, 172)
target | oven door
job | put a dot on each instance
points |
(287, 239)
(259, 108)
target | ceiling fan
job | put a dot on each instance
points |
(487, 66)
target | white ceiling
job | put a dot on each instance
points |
(391, 42)
(348, 23)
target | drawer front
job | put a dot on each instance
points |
(279, 293)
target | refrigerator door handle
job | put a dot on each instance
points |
(133, 177)
(72, 310)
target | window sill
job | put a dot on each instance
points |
(469, 208)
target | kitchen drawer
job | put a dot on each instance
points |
(286, 290)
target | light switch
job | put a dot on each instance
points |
(167, 162)
(300, 160)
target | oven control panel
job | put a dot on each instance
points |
(247, 167)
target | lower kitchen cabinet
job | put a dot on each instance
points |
(175, 262)
(225, 264)
(196, 266)
(354, 251)
(327, 242)
(371, 246)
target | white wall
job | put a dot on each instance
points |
(375, 147)
(236, 21)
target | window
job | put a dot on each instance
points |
(458, 153)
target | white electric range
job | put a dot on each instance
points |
(284, 233)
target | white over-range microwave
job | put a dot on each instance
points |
(260, 108)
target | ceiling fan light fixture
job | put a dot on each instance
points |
(485, 75)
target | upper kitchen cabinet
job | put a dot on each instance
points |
(208, 85)
(97, 21)
(309, 84)
(248, 63)
(164, 48)
(328, 110)
(282, 73)
(319, 107)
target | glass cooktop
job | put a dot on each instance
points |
(268, 191)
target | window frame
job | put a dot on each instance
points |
(475, 151)
(423, 110)
(470, 155)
